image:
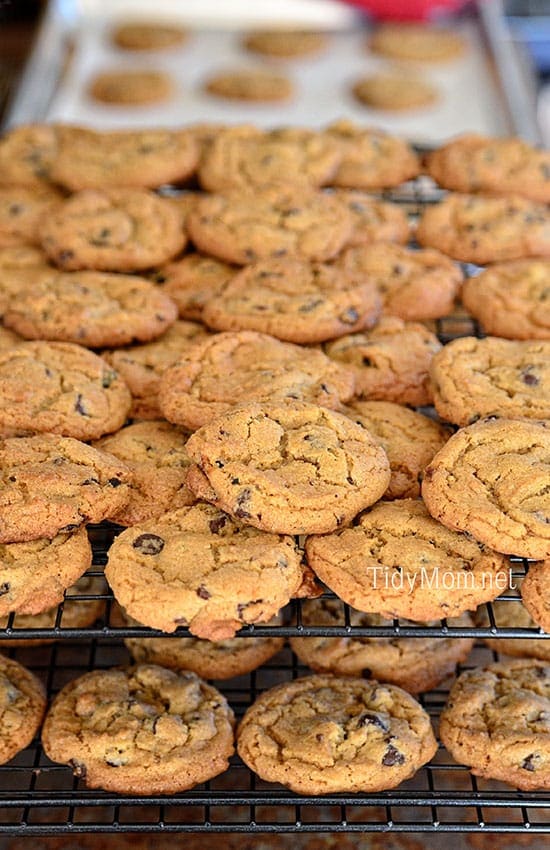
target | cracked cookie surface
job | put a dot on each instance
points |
(534, 593)
(205, 570)
(22, 208)
(144, 730)
(235, 368)
(496, 722)
(54, 484)
(192, 281)
(371, 159)
(291, 469)
(60, 388)
(491, 480)
(22, 706)
(324, 734)
(473, 378)
(373, 220)
(397, 561)
(27, 153)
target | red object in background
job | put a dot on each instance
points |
(407, 10)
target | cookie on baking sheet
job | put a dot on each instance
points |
(249, 84)
(391, 362)
(22, 706)
(54, 484)
(35, 575)
(285, 43)
(167, 731)
(294, 300)
(395, 91)
(119, 230)
(474, 163)
(291, 468)
(235, 368)
(27, 153)
(142, 366)
(127, 87)
(481, 230)
(22, 208)
(397, 561)
(204, 570)
(495, 721)
(60, 388)
(373, 220)
(512, 614)
(511, 299)
(371, 159)
(534, 593)
(325, 734)
(414, 664)
(417, 42)
(491, 480)
(154, 452)
(270, 223)
(409, 439)
(415, 285)
(473, 378)
(192, 281)
(245, 157)
(148, 35)
(94, 309)
(88, 159)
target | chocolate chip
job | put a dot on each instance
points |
(240, 501)
(311, 305)
(115, 482)
(529, 762)
(4, 588)
(235, 481)
(392, 757)
(528, 378)
(65, 256)
(12, 478)
(369, 718)
(324, 388)
(90, 481)
(79, 407)
(107, 379)
(250, 254)
(367, 361)
(79, 769)
(349, 316)
(149, 544)
(280, 252)
(473, 418)
(216, 525)
(203, 592)
(57, 461)
(366, 673)
(158, 277)
(220, 464)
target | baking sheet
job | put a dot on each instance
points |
(469, 101)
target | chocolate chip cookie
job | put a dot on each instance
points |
(496, 722)
(144, 730)
(395, 91)
(60, 388)
(415, 285)
(491, 480)
(148, 35)
(534, 593)
(131, 87)
(472, 378)
(482, 230)
(22, 706)
(474, 163)
(154, 452)
(54, 484)
(270, 223)
(27, 153)
(249, 84)
(397, 561)
(192, 281)
(414, 664)
(22, 208)
(204, 570)
(374, 220)
(511, 614)
(289, 469)
(390, 362)
(325, 734)
(119, 230)
(295, 301)
(285, 43)
(511, 299)
(409, 439)
(94, 309)
(235, 368)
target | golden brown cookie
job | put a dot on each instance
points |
(23, 702)
(390, 362)
(512, 614)
(395, 91)
(27, 153)
(165, 731)
(204, 570)
(8, 339)
(495, 721)
(60, 388)
(249, 84)
(414, 664)
(473, 378)
(397, 561)
(473, 163)
(154, 452)
(148, 35)
(291, 468)
(52, 485)
(511, 299)
(235, 368)
(294, 300)
(22, 208)
(112, 230)
(325, 734)
(409, 439)
(373, 220)
(480, 230)
(491, 480)
(285, 43)
(142, 366)
(125, 87)
(415, 285)
(192, 281)
(534, 593)
(417, 42)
